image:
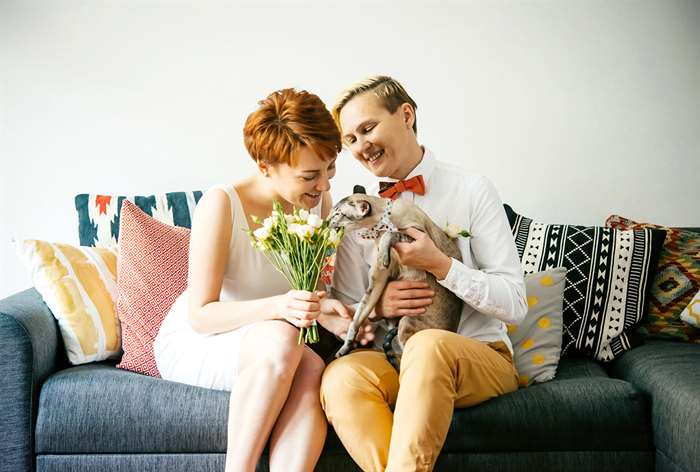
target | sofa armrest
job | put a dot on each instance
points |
(29, 346)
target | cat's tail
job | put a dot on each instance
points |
(388, 340)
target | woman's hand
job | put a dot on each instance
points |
(336, 318)
(300, 307)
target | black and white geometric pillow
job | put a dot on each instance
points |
(607, 279)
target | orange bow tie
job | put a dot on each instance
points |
(392, 190)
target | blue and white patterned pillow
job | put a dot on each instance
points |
(98, 215)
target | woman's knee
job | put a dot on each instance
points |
(272, 349)
(309, 372)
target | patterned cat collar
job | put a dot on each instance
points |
(384, 224)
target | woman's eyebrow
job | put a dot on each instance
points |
(316, 170)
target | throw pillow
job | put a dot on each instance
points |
(151, 274)
(78, 284)
(607, 279)
(691, 314)
(537, 339)
(675, 283)
(98, 215)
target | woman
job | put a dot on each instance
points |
(236, 326)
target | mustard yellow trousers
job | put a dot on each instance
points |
(440, 370)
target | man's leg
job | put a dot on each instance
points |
(356, 393)
(441, 370)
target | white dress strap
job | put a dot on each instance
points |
(232, 196)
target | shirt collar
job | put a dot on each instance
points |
(425, 168)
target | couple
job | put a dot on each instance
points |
(236, 326)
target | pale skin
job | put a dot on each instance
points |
(386, 144)
(276, 393)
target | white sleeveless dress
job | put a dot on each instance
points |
(183, 355)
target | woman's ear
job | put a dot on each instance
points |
(264, 168)
(409, 115)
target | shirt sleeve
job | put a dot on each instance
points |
(351, 273)
(497, 288)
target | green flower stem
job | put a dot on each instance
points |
(299, 259)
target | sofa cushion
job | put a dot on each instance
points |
(691, 313)
(607, 280)
(124, 412)
(78, 284)
(581, 409)
(677, 280)
(151, 274)
(537, 339)
(98, 215)
(668, 373)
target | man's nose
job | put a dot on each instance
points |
(362, 145)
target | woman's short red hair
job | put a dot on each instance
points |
(286, 120)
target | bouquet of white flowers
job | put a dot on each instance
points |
(299, 246)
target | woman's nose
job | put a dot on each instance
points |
(324, 183)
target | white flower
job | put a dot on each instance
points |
(303, 215)
(334, 238)
(289, 219)
(315, 221)
(454, 231)
(262, 233)
(305, 231)
(268, 223)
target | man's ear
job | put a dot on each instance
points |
(408, 114)
(359, 189)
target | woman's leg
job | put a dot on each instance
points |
(268, 360)
(300, 432)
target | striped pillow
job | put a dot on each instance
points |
(78, 284)
(98, 215)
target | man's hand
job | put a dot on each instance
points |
(423, 254)
(403, 298)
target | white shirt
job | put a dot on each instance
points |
(489, 279)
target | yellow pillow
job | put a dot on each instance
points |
(79, 285)
(691, 314)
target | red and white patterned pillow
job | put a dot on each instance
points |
(151, 274)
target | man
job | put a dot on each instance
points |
(440, 370)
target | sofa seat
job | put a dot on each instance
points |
(97, 408)
(669, 373)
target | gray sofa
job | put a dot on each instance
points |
(639, 413)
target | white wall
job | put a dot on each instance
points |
(575, 109)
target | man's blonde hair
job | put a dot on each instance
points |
(389, 91)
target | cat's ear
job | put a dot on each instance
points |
(359, 189)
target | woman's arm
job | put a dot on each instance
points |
(209, 251)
